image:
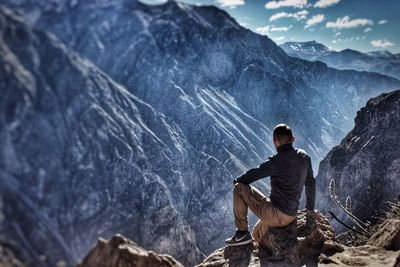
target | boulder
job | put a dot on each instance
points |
(300, 242)
(387, 236)
(120, 251)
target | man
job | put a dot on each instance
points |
(290, 169)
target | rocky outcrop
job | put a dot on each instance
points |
(294, 245)
(120, 251)
(369, 256)
(366, 164)
(387, 236)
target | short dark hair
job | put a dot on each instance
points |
(283, 133)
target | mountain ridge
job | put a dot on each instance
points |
(382, 62)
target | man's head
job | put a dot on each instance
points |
(282, 135)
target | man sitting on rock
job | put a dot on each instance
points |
(290, 169)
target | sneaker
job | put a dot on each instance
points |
(238, 239)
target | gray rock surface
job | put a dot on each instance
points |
(366, 164)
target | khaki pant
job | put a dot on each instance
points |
(246, 196)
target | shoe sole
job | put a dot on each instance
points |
(239, 243)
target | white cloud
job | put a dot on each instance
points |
(381, 43)
(297, 15)
(231, 3)
(326, 3)
(267, 29)
(337, 34)
(279, 38)
(314, 20)
(383, 21)
(369, 29)
(286, 3)
(346, 23)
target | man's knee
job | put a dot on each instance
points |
(240, 187)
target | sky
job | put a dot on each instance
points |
(363, 25)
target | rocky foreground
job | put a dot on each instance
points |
(309, 241)
(120, 251)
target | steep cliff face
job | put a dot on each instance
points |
(366, 164)
(77, 159)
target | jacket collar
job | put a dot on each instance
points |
(284, 147)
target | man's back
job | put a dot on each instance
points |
(290, 169)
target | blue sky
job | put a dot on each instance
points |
(364, 25)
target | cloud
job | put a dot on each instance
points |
(279, 38)
(369, 29)
(337, 34)
(267, 29)
(346, 23)
(383, 21)
(230, 3)
(381, 43)
(286, 3)
(314, 20)
(326, 3)
(297, 15)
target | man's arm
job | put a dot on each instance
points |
(265, 169)
(310, 188)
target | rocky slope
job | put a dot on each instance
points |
(366, 164)
(153, 156)
(75, 150)
(382, 62)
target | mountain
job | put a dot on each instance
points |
(382, 62)
(149, 145)
(366, 164)
(77, 159)
(306, 50)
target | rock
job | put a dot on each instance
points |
(331, 247)
(120, 251)
(366, 164)
(293, 245)
(8, 258)
(387, 236)
(302, 239)
(362, 256)
(351, 239)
